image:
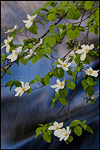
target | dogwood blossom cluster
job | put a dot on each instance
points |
(32, 50)
(91, 72)
(29, 22)
(7, 42)
(62, 134)
(14, 54)
(85, 49)
(72, 54)
(63, 65)
(12, 30)
(59, 85)
(21, 90)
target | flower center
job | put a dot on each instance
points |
(31, 20)
(61, 84)
(57, 128)
(66, 134)
(38, 44)
(64, 65)
(8, 42)
(86, 50)
(23, 89)
(90, 71)
(13, 29)
(72, 55)
(77, 48)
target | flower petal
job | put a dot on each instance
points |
(22, 84)
(60, 124)
(79, 51)
(7, 48)
(51, 128)
(91, 46)
(61, 62)
(58, 81)
(57, 89)
(57, 133)
(83, 56)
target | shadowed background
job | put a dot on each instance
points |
(19, 117)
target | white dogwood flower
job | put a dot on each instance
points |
(38, 44)
(15, 27)
(63, 134)
(93, 96)
(7, 41)
(72, 54)
(85, 49)
(30, 54)
(56, 126)
(91, 72)
(21, 90)
(59, 85)
(14, 54)
(63, 65)
(30, 20)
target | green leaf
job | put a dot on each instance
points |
(9, 72)
(47, 4)
(69, 72)
(63, 93)
(59, 73)
(9, 83)
(87, 59)
(93, 53)
(75, 123)
(23, 61)
(52, 29)
(29, 91)
(74, 74)
(73, 14)
(89, 80)
(92, 101)
(46, 80)
(47, 137)
(42, 81)
(35, 59)
(30, 45)
(84, 83)
(83, 122)
(57, 95)
(63, 101)
(37, 77)
(56, 62)
(89, 129)
(90, 90)
(31, 82)
(69, 26)
(49, 131)
(52, 41)
(33, 29)
(77, 59)
(84, 126)
(70, 139)
(70, 85)
(38, 131)
(51, 17)
(78, 130)
(22, 29)
(47, 50)
(76, 32)
(88, 5)
(70, 34)
(17, 83)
